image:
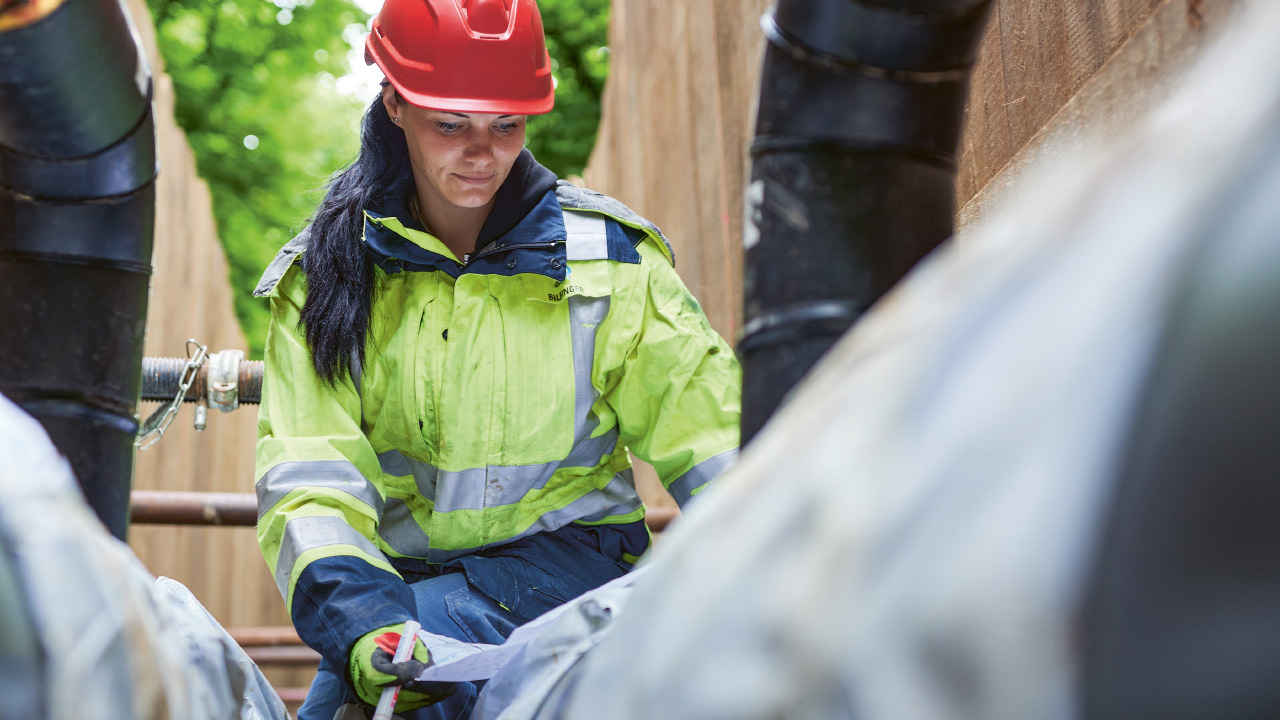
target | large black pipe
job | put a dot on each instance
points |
(1179, 613)
(853, 171)
(77, 213)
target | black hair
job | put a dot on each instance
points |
(339, 270)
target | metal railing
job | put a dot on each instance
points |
(159, 507)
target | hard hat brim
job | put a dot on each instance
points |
(538, 106)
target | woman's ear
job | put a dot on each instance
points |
(391, 102)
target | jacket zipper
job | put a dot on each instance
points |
(493, 250)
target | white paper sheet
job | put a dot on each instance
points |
(457, 661)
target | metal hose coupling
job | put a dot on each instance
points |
(222, 380)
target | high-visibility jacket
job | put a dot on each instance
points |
(498, 399)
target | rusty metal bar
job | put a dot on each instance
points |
(160, 377)
(283, 655)
(151, 507)
(293, 695)
(265, 636)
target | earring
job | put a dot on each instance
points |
(395, 120)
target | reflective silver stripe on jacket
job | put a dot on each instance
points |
(587, 240)
(401, 532)
(585, 316)
(587, 236)
(494, 485)
(357, 369)
(394, 463)
(398, 529)
(307, 533)
(683, 487)
(341, 475)
(573, 197)
(404, 535)
(616, 498)
(282, 262)
(424, 474)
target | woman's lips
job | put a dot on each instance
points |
(475, 179)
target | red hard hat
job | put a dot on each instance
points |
(484, 56)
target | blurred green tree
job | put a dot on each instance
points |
(577, 35)
(257, 94)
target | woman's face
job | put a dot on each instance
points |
(461, 158)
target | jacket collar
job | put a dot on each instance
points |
(524, 189)
(536, 244)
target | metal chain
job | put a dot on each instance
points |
(163, 417)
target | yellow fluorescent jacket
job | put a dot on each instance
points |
(498, 397)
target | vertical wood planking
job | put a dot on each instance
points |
(1141, 73)
(1036, 56)
(672, 140)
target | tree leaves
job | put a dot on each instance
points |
(577, 32)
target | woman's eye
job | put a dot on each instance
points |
(507, 127)
(448, 127)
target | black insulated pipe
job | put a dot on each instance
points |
(77, 215)
(853, 171)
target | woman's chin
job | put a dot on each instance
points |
(472, 196)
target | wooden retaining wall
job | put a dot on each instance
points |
(1064, 73)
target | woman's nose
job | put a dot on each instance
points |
(479, 144)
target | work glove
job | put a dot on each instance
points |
(371, 669)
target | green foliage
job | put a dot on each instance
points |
(576, 31)
(251, 69)
(257, 97)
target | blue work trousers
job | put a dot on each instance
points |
(483, 597)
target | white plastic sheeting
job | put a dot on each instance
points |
(907, 538)
(548, 649)
(20, 662)
(116, 643)
(223, 666)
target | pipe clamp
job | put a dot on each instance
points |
(223, 381)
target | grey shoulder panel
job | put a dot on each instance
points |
(575, 198)
(286, 257)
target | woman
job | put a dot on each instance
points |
(461, 352)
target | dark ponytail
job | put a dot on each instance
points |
(339, 271)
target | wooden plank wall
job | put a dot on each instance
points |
(1037, 54)
(191, 298)
(1138, 74)
(677, 111)
(676, 119)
